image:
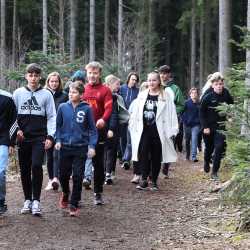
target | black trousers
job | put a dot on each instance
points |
(178, 140)
(150, 144)
(72, 160)
(31, 155)
(215, 144)
(98, 164)
(110, 154)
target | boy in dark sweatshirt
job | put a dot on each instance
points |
(212, 123)
(76, 138)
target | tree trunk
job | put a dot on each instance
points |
(73, 4)
(106, 29)
(248, 50)
(92, 30)
(201, 61)
(120, 28)
(61, 26)
(207, 42)
(150, 31)
(14, 29)
(224, 35)
(45, 27)
(3, 39)
(193, 44)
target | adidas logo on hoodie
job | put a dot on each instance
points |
(31, 104)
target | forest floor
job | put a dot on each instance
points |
(182, 215)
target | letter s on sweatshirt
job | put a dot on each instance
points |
(80, 116)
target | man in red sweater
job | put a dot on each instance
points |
(99, 97)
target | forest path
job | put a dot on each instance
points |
(182, 215)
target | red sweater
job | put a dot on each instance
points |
(99, 97)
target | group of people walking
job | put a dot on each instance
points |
(86, 124)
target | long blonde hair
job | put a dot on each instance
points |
(60, 86)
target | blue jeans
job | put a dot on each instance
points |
(191, 136)
(88, 173)
(4, 153)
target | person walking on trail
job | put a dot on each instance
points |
(76, 137)
(176, 94)
(129, 91)
(54, 85)
(36, 118)
(7, 140)
(111, 145)
(212, 122)
(152, 124)
(191, 121)
(99, 97)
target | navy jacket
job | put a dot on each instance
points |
(209, 115)
(76, 126)
(128, 94)
(190, 116)
(8, 116)
(113, 120)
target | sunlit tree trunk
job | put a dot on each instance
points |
(224, 35)
(120, 28)
(92, 30)
(201, 61)
(2, 39)
(61, 25)
(14, 29)
(106, 28)
(45, 27)
(193, 44)
(73, 4)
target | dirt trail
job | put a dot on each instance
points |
(179, 216)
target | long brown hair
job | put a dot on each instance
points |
(60, 86)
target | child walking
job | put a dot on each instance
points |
(76, 138)
(36, 118)
(191, 121)
(54, 85)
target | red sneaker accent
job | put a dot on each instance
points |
(63, 201)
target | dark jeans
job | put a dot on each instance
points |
(110, 154)
(123, 138)
(215, 143)
(150, 144)
(31, 155)
(52, 162)
(98, 164)
(128, 150)
(72, 160)
(178, 140)
(136, 168)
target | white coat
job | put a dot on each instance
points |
(166, 123)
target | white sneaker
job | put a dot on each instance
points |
(36, 208)
(26, 207)
(136, 179)
(49, 186)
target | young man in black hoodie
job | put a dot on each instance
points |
(212, 124)
(7, 129)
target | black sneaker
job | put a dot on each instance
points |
(86, 183)
(126, 165)
(206, 167)
(195, 160)
(154, 187)
(3, 207)
(98, 199)
(214, 177)
(143, 185)
(108, 179)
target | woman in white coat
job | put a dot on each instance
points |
(152, 124)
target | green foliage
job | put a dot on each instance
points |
(238, 143)
(49, 63)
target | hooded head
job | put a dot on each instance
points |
(79, 75)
